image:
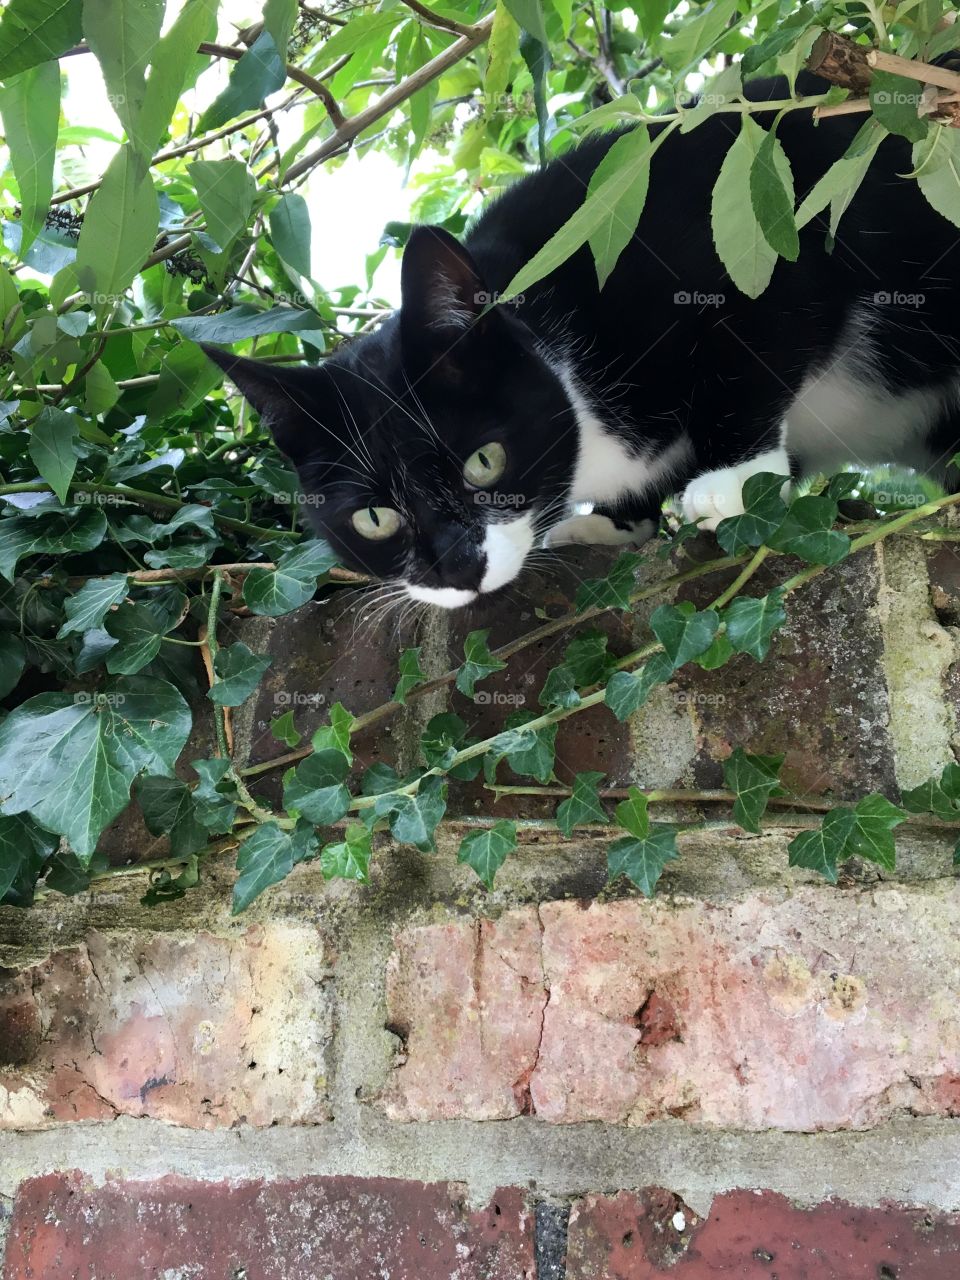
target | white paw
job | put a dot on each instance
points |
(598, 531)
(716, 495)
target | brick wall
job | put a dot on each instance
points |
(753, 1075)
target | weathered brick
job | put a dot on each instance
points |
(821, 1010)
(756, 1236)
(301, 1229)
(199, 1030)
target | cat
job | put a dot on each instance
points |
(439, 451)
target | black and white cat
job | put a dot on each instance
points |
(443, 448)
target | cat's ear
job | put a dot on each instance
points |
(283, 397)
(442, 293)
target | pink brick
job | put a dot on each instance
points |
(821, 1010)
(756, 1236)
(199, 1030)
(308, 1228)
(467, 1002)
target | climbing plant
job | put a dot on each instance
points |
(142, 508)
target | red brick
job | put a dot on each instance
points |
(199, 1030)
(821, 1010)
(756, 1236)
(303, 1229)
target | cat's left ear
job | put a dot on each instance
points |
(442, 294)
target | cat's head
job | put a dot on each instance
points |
(435, 452)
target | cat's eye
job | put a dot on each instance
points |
(486, 466)
(376, 522)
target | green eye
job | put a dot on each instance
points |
(376, 522)
(486, 466)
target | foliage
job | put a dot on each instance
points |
(143, 508)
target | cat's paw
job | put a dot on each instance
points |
(595, 530)
(717, 495)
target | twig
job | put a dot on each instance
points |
(925, 72)
(437, 20)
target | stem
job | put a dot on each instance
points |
(216, 590)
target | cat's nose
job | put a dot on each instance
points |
(454, 561)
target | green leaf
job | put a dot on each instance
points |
(316, 788)
(806, 532)
(819, 850)
(783, 37)
(503, 45)
(284, 730)
(214, 796)
(290, 232)
(536, 54)
(754, 779)
(583, 805)
(226, 191)
(642, 861)
(587, 658)
(683, 632)
(263, 859)
(632, 813)
(936, 162)
(528, 752)
(70, 759)
(260, 72)
(91, 604)
(939, 796)
(24, 848)
(741, 245)
(613, 590)
(751, 623)
(866, 830)
(238, 673)
(529, 15)
(54, 532)
(138, 635)
(479, 662)
(695, 39)
(444, 736)
(627, 691)
(173, 67)
(53, 448)
(842, 180)
(30, 107)
(718, 655)
(13, 659)
(350, 859)
(772, 198)
(35, 31)
(411, 674)
(272, 592)
(872, 835)
(486, 851)
(894, 101)
(245, 321)
(335, 735)
(119, 228)
(413, 818)
(123, 38)
(763, 512)
(609, 242)
(169, 810)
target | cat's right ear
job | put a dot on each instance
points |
(442, 293)
(283, 397)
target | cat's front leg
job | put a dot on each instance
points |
(715, 495)
(630, 524)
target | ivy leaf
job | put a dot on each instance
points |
(479, 663)
(754, 779)
(335, 735)
(806, 532)
(263, 859)
(350, 859)
(13, 659)
(820, 850)
(413, 818)
(316, 788)
(866, 830)
(487, 851)
(683, 631)
(587, 658)
(168, 810)
(86, 610)
(627, 690)
(718, 655)
(751, 623)
(70, 759)
(559, 689)
(138, 638)
(238, 674)
(52, 532)
(613, 590)
(273, 592)
(583, 805)
(641, 855)
(843, 484)
(763, 512)
(939, 796)
(214, 797)
(632, 813)
(284, 730)
(24, 848)
(66, 874)
(872, 836)
(528, 752)
(772, 197)
(444, 736)
(411, 674)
